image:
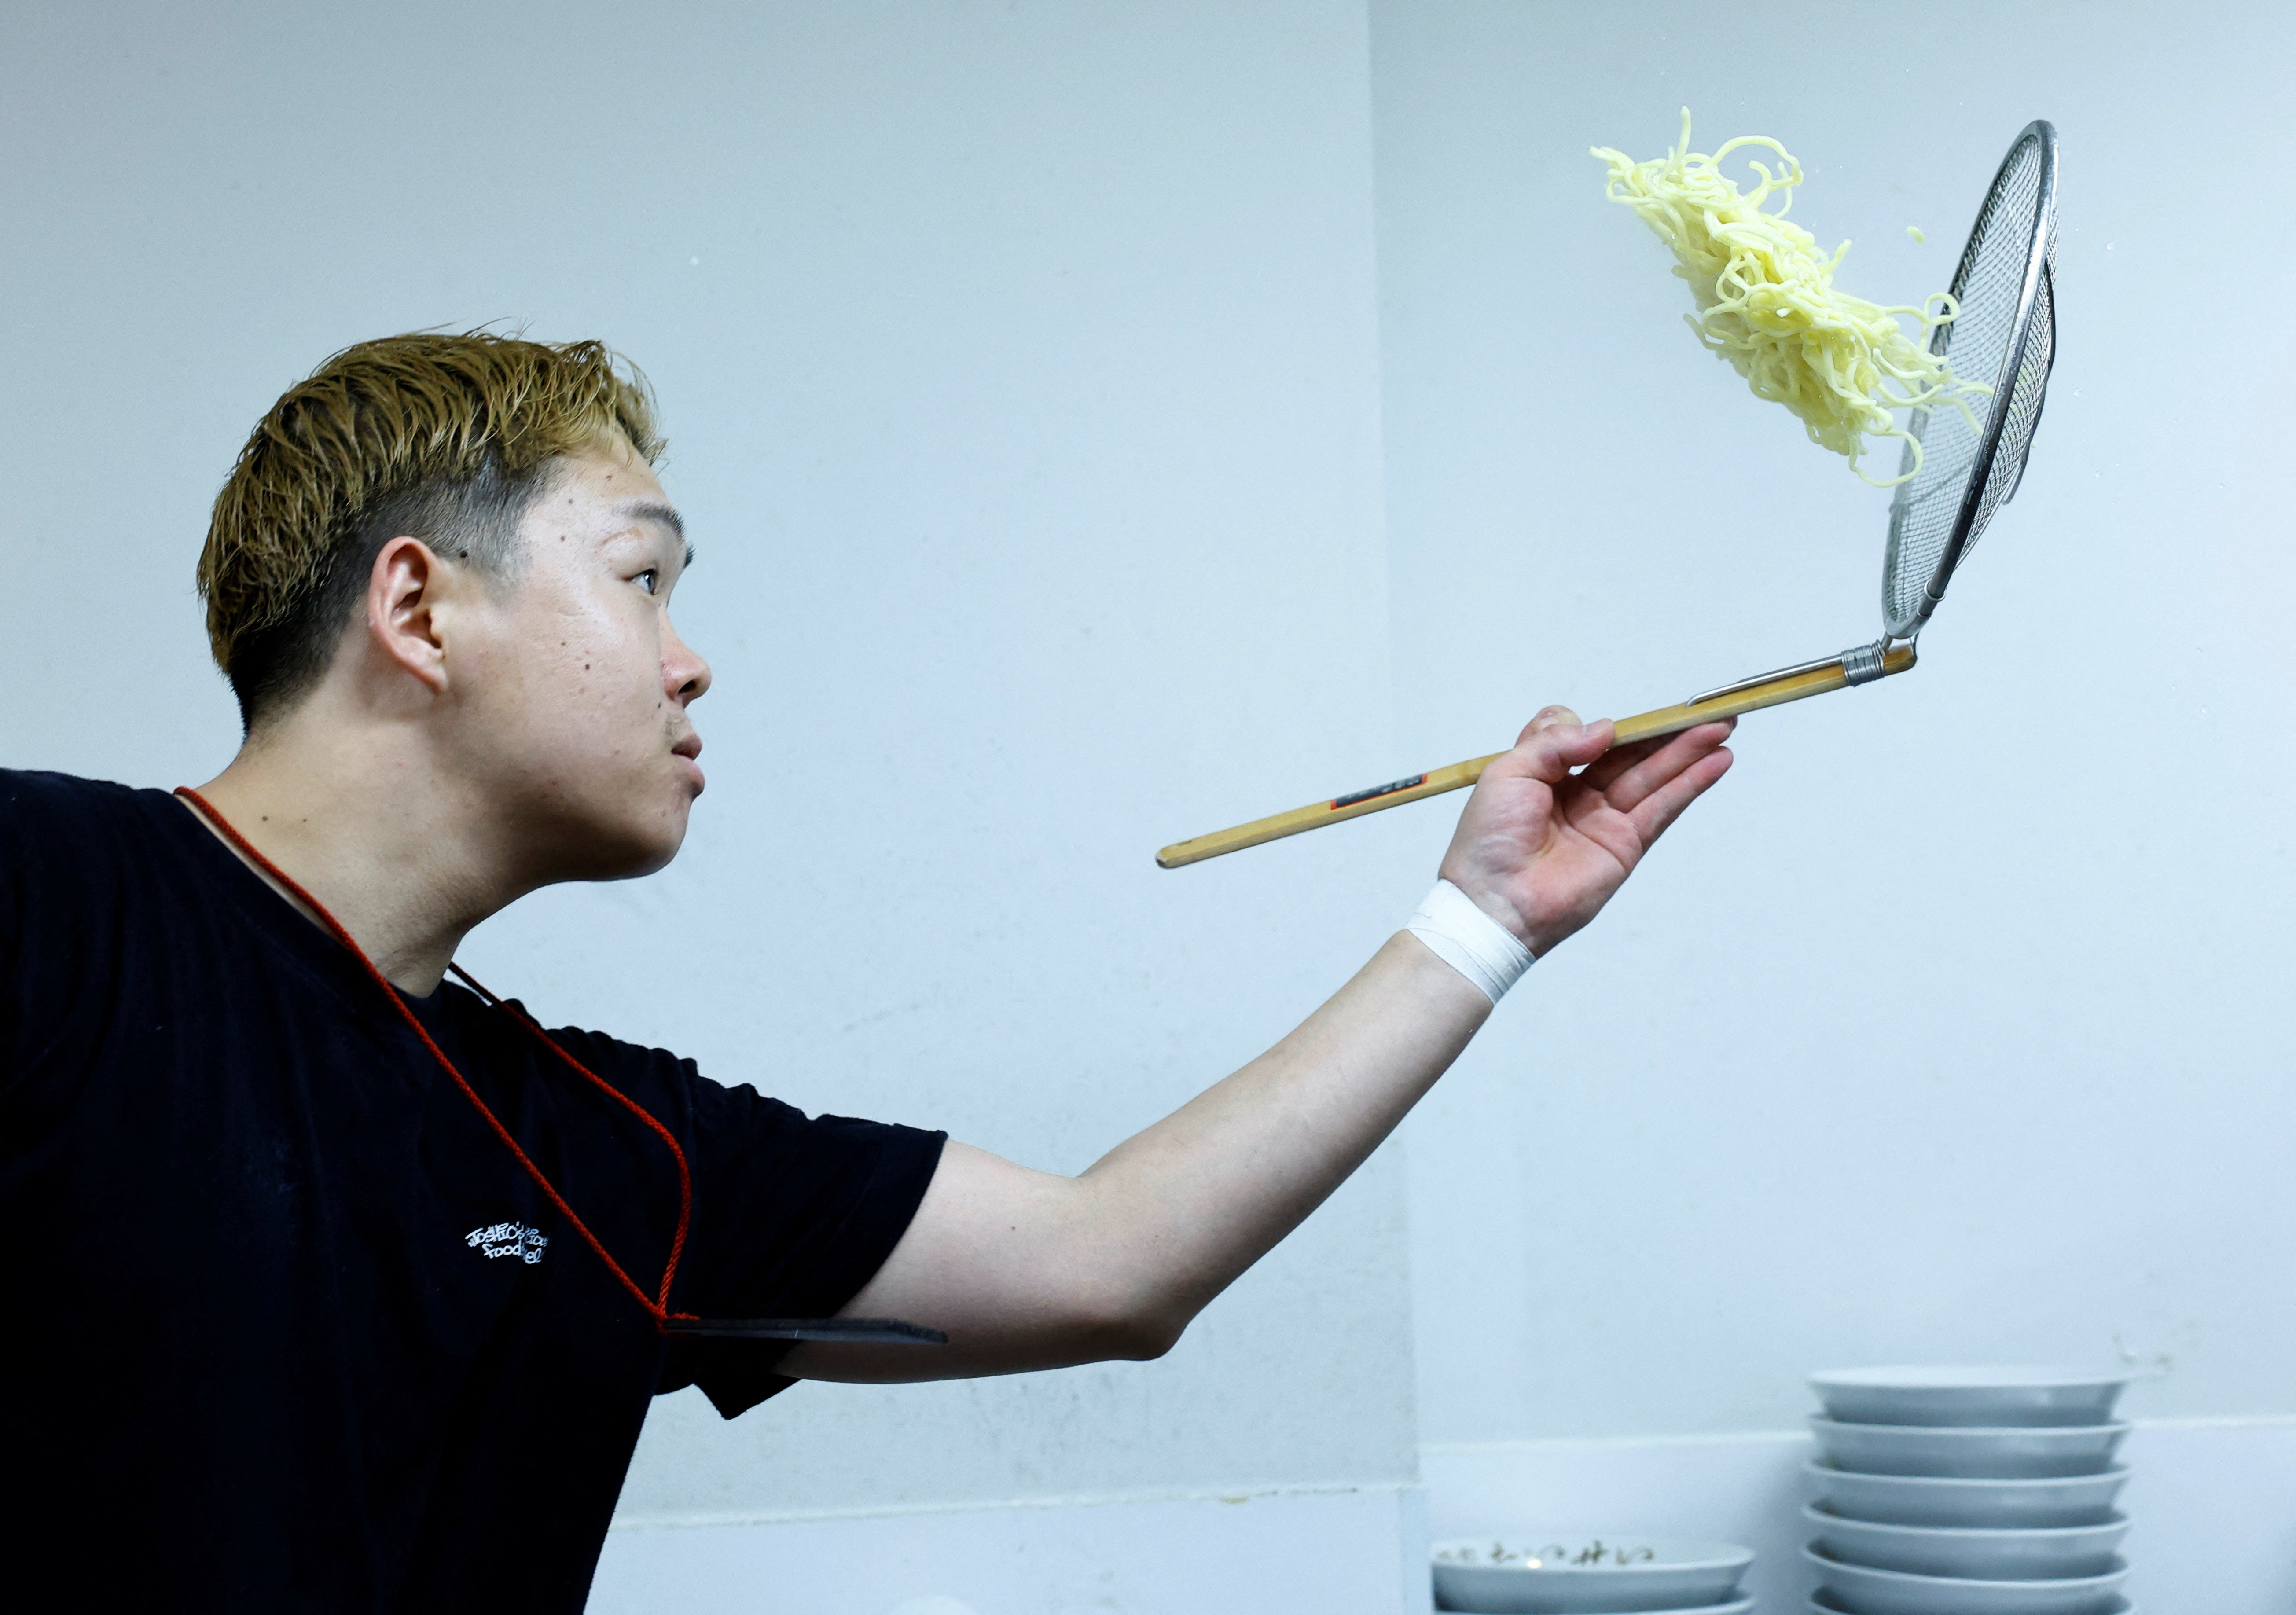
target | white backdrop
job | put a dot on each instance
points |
(1955, 1028)
(1019, 371)
(1102, 422)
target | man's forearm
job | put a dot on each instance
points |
(1027, 1269)
(1031, 1269)
(1176, 1213)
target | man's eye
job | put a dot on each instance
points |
(650, 579)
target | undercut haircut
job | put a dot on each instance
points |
(448, 438)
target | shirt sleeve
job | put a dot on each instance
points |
(792, 1215)
(60, 905)
(14, 986)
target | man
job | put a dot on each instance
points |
(340, 1288)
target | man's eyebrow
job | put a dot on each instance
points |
(654, 509)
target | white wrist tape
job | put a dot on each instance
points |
(1469, 940)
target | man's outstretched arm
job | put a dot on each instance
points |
(1027, 1269)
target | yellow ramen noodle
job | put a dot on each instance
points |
(1767, 303)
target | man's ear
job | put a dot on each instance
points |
(403, 594)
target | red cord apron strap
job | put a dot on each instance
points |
(658, 1305)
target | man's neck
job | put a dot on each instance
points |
(366, 826)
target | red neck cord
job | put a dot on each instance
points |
(657, 1306)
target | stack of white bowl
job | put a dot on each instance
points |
(1968, 1491)
(1580, 1573)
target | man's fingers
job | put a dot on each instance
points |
(1546, 720)
(1625, 787)
(1551, 752)
(1618, 760)
(1665, 804)
(1547, 717)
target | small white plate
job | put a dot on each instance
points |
(1823, 1603)
(1988, 1398)
(1986, 1554)
(1576, 1573)
(1871, 1592)
(1921, 1449)
(1948, 1500)
(1739, 1606)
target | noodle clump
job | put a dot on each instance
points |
(1767, 303)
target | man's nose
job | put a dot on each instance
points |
(683, 674)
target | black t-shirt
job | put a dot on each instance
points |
(287, 1327)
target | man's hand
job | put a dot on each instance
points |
(1031, 1270)
(1541, 850)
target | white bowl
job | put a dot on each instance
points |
(1580, 1574)
(1949, 1500)
(1989, 1397)
(1922, 1449)
(1825, 1604)
(1871, 1592)
(1981, 1553)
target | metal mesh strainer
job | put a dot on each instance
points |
(2004, 338)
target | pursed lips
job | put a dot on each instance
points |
(689, 748)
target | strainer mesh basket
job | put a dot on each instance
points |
(2005, 337)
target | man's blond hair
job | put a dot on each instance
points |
(448, 438)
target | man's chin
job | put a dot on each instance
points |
(669, 837)
(630, 852)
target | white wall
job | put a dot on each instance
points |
(1350, 1551)
(1954, 1026)
(1027, 369)
(1020, 367)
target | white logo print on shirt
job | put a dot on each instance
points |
(508, 1238)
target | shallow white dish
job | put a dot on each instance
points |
(1950, 1500)
(1825, 1604)
(1922, 1449)
(1736, 1606)
(1871, 1592)
(1984, 1554)
(1989, 1397)
(1581, 1574)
